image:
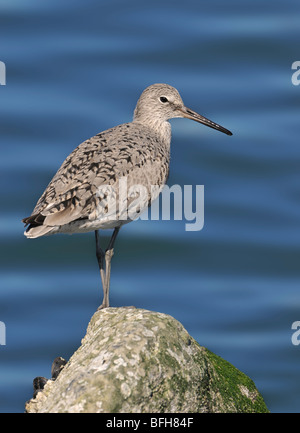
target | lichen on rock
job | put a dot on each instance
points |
(139, 361)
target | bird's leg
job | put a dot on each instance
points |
(108, 256)
(100, 257)
(105, 276)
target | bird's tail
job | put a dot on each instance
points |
(36, 232)
(36, 228)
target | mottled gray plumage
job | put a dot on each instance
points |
(139, 151)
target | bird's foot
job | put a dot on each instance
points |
(102, 306)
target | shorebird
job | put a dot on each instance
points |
(86, 187)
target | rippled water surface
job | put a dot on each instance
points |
(75, 68)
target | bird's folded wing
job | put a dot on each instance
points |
(72, 193)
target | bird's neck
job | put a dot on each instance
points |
(161, 128)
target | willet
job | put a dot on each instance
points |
(76, 199)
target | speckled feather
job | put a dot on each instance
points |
(102, 160)
(139, 151)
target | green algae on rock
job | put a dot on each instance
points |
(139, 361)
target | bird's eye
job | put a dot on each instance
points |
(163, 99)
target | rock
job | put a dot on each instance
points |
(57, 365)
(139, 361)
(38, 385)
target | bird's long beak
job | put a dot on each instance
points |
(190, 114)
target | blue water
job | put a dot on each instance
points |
(76, 68)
